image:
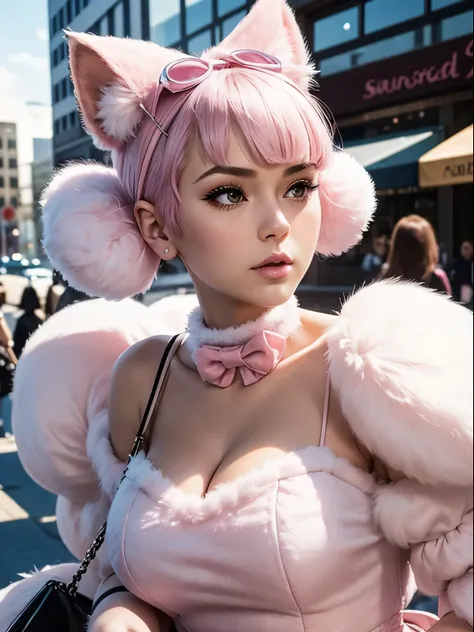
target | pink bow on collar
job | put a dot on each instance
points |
(255, 359)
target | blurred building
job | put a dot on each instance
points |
(41, 171)
(398, 78)
(396, 75)
(9, 184)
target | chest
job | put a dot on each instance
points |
(203, 435)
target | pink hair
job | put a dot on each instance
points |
(90, 233)
(278, 123)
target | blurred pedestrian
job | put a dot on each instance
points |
(29, 321)
(71, 296)
(8, 362)
(461, 274)
(55, 292)
(374, 260)
(414, 254)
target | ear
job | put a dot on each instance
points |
(271, 27)
(111, 77)
(152, 231)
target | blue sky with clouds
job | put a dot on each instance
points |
(24, 52)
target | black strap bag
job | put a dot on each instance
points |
(59, 607)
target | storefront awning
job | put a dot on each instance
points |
(392, 160)
(450, 162)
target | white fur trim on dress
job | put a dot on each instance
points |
(400, 361)
(283, 319)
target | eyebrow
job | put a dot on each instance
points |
(249, 173)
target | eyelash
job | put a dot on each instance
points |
(212, 196)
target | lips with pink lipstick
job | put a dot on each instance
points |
(278, 266)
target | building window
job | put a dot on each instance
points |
(2, 182)
(2, 201)
(383, 49)
(229, 25)
(456, 26)
(11, 143)
(111, 22)
(118, 20)
(12, 163)
(226, 6)
(56, 127)
(104, 26)
(63, 88)
(126, 18)
(198, 14)
(13, 183)
(379, 14)
(54, 24)
(165, 22)
(14, 201)
(336, 29)
(77, 7)
(440, 4)
(69, 11)
(1, 143)
(61, 20)
(1, 163)
(86, 2)
(72, 119)
(199, 43)
(56, 93)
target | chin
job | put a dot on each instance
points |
(273, 294)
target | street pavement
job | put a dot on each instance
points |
(28, 533)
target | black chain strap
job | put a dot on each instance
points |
(92, 551)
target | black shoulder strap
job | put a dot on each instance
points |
(171, 348)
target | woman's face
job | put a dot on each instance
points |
(234, 218)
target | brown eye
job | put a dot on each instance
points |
(226, 196)
(300, 190)
(234, 196)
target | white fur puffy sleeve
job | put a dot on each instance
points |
(400, 361)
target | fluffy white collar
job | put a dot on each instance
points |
(283, 319)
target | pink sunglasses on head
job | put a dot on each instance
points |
(188, 72)
(184, 74)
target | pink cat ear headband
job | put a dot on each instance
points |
(184, 74)
(90, 232)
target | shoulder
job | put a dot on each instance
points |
(132, 381)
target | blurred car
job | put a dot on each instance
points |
(17, 273)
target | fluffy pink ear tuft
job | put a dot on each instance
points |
(91, 236)
(348, 202)
(111, 77)
(271, 27)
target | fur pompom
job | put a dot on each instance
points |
(91, 236)
(55, 384)
(348, 202)
(400, 360)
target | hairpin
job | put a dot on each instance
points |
(154, 120)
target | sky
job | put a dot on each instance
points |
(25, 79)
(24, 56)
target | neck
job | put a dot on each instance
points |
(283, 319)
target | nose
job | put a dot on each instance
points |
(274, 226)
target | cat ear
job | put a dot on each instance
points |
(271, 27)
(111, 77)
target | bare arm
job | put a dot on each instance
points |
(451, 623)
(132, 380)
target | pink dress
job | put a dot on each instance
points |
(288, 547)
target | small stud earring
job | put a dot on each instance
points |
(167, 251)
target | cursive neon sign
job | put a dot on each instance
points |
(421, 77)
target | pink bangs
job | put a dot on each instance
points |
(277, 122)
